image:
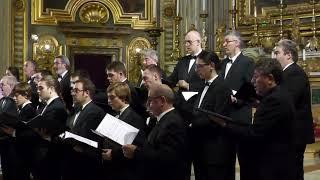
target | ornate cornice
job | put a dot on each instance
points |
(68, 14)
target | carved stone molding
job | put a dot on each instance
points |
(94, 12)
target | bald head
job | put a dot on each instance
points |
(193, 42)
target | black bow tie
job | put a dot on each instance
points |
(207, 83)
(193, 57)
(229, 60)
(59, 76)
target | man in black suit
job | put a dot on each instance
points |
(297, 83)
(79, 162)
(117, 167)
(23, 136)
(270, 137)
(9, 161)
(116, 72)
(184, 75)
(47, 155)
(163, 155)
(212, 148)
(61, 65)
(29, 69)
(236, 70)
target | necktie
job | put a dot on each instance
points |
(207, 83)
(117, 115)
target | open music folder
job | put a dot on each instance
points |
(116, 130)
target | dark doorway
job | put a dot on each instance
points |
(95, 64)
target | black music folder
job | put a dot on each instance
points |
(247, 93)
(215, 115)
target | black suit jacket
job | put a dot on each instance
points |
(163, 155)
(180, 72)
(120, 168)
(240, 72)
(136, 101)
(297, 84)
(211, 143)
(27, 112)
(56, 115)
(270, 138)
(66, 91)
(89, 118)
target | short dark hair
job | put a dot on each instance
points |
(45, 72)
(117, 66)
(154, 69)
(209, 57)
(14, 71)
(87, 85)
(23, 88)
(121, 89)
(50, 81)
(289, 47)
(267, 66)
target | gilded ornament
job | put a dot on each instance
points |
(94, 12)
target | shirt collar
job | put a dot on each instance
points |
(64, 73)
(287, 66)
(83, 106)
(212, 79)
(51, 99)
(164, 113)
(124, 80)
(235, 57)
(24, 104)
(123, 109)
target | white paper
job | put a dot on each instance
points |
(117, 130)
(188, 94)
(68, 134)
(234, 92)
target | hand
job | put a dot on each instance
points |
(42, 132)
(106, 154)
(233, 99)
(183, 84)
(8, 130)
(128, 150)
(78, 149)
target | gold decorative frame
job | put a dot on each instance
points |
(54, 16)
(134, 58)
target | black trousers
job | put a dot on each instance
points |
(298, 161)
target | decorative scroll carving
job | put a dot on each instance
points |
(94, 12)
(134, 57)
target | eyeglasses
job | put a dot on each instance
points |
(189, 42)
(76, 90)
(229, 41)
(200, 65)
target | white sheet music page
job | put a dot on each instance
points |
(68, 134)
(188, 94)
(117, 130)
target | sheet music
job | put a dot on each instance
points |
(234, 92)
(68, 134)
(188, 94)
(117, 130)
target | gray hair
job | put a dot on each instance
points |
(152, 54)
(289, 47)
(237, 35)
(64, 60)
(11, 80)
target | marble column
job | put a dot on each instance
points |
(5, 35)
